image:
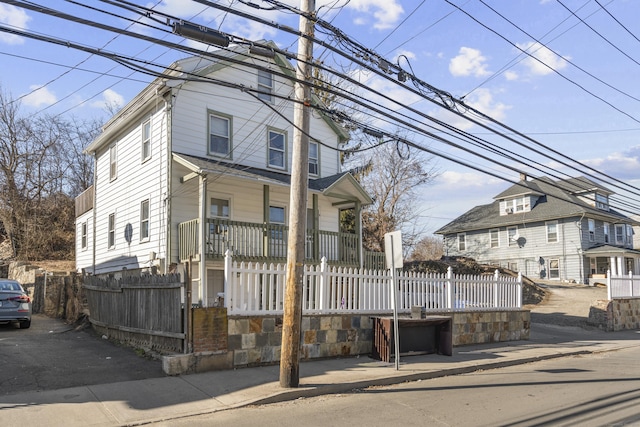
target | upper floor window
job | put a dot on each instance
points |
(494, 237)
(512, 236)
(552, 231)
(313, 158)
(602, 202)
(629, 234)
(462, 242)
(219, 135)
(84, 235)
(606, 232)
(620, 232)
(277, 149)
(265, 86)
(520, 204)
(144, 220)
(219, 208)
(592, 230)
(111, 233)
(113, 162)
(146, 140)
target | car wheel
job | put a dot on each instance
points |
(24, 324)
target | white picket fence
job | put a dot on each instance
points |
(258, 288)
(624, 286)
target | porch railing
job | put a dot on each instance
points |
(624, 286)
(259, 242)
(258, 288)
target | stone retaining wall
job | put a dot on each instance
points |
(256, 340)
(617, 315)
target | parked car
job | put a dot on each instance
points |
(15, 304)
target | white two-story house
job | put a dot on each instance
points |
(198, 164)
(557, 230)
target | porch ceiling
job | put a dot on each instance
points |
(342, 188)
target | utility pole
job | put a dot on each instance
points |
(292, 320)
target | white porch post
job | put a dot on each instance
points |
(613, 266)
(621, 266)
(202, 265)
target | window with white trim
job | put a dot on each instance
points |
(111, 233)
(313, 158)
(554, 269)
(219, 135)
(462, 242)
(592, 230)
(146, 140)
(602, 202)
(144, 220)
(265, 86)
(113, 162)
(219, 208)
(277, 149)
(83, 233)
(512, 233)
(620, 234)
(605, 227)
(277, 216)
(629, 235)
(494, 238)
(552, 231)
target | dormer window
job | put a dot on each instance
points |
(518, 205)
(602, 202)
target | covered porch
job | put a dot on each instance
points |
(616, 260)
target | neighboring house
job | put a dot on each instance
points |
(196, 165)
(563, 230)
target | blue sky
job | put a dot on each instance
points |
(581, 98)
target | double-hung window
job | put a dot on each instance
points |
(111, 233)
(512, 236)
(462, 242)
(606, 232)
(144, 220)
(265, 86)
(219, 135)
(84, 235)
(552, 232)
(494, 237)
(313, 158)
(113, 162)
(592, 230)
(146, 140)
(620, 234)
(277, 149)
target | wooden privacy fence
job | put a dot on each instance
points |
(258, 288)
(143, 310)
(624, 286)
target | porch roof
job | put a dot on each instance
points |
(609, 250)
(342, 186)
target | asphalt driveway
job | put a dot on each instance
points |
(52, 355)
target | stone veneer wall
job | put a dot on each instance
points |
(256, 340)
(616, 315)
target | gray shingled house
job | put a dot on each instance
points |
(555, 230)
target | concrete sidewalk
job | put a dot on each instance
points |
(162, 399)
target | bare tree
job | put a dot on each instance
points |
(36, 202)
(428, 248)
(395, 180)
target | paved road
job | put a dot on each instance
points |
(52, 355)
(592, 390)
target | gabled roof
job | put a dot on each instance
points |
(178, 73)
(343, 186)
(552, 203)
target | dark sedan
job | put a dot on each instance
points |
(15, 304)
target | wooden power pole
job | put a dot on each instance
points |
(291, 324)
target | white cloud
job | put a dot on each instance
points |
(386, 13)
(39, 96)
(482, 100)
(407, 53)
(546, 61)
(469, 62)
(511, 75)
(622, 165)
(110, 99)
(13, 17)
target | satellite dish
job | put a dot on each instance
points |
(516, 236)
